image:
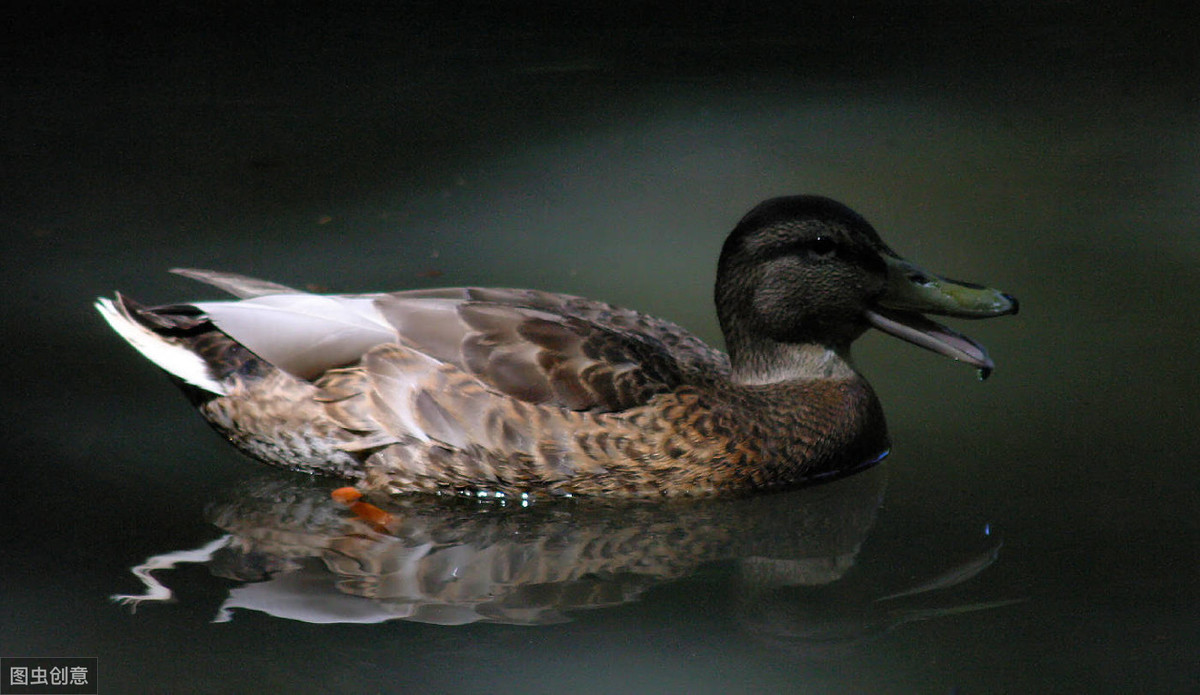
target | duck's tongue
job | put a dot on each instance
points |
(912, 292)
(932, 335)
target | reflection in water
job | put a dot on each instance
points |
(830, 621)
(450, 561)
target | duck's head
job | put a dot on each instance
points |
(801, 277)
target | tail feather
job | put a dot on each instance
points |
(171, 354)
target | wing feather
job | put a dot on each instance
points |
(557, 352)
(238, 285)
(302, 334)
(536, 347)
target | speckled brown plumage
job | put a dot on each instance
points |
(513, 392)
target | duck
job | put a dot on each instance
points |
(524, 393)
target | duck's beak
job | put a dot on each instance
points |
(911, 292)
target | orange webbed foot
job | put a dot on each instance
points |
(366, 511)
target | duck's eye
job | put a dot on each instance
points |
(821, 248)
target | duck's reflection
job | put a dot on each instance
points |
(304, 556)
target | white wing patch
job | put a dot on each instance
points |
(302, 334)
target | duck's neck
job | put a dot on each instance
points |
(765, 361)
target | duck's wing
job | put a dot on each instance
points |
(537, 347)
(235, 284)
(553, 349)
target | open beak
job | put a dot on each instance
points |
(912, 292)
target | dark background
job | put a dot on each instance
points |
(1051, 149)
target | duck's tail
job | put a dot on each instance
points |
(163, 338)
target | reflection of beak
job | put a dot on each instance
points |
(912, 292)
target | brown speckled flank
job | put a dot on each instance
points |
(525, 392)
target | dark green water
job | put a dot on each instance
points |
(1045, 520)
